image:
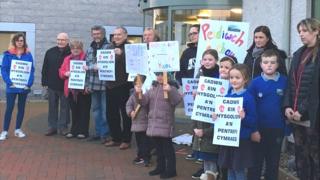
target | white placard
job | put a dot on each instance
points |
(204, 103)
(106, 64)
(20, 73)
(229, 38)
(77, 74)
(189, 85)
(136, 58)
(228, 122)
(164, 56)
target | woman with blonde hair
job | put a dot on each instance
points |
(302, 100)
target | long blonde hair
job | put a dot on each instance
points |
(312, 25)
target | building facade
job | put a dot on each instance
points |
(42, 20)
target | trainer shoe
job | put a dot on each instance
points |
(138, 160)
(19, 133)
(3, 135)
(197, 174)
(190, 157)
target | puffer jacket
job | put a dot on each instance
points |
(161, 111)
(140, 122)
(308, 97)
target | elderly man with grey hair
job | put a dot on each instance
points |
(58, 115)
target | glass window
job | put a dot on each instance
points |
(158, 19)
(184, 18)
(316, 9)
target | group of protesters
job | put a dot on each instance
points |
(276, 102)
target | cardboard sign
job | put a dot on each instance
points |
(204, 103)
(106, 65)
(164, 56)
(136, 58)
(228, 122)
(20, 73)
(77, 74)
(227, 37)
(189, 85)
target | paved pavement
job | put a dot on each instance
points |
(38, 157)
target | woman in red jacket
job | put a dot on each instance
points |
(79, 100)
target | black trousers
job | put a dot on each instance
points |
(80, 110)
(143, 145)
(119, 121)
(307, 152)
(267, 150)
(166, 157)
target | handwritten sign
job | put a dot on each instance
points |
(164, 56)
(189, 85)
(204, 103)
(228, 122)
(106, 65)
(20, 73)
(136, 58)
(227, 37)
(77, 74)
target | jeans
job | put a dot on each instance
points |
(99, 109)
(236, 174)
(58, 120)
(11, 97)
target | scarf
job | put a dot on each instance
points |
(95, 46)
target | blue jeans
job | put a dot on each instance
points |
(11, 97)
(99, 111)
(236, 174)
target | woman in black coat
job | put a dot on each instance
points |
(301, 100)
(263, 41)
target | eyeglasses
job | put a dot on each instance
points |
(192, 33)
(20, 40)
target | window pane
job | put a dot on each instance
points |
(316, 9)
(184, 18)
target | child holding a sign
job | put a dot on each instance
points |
(79, 99)
(237, 159)
(18, 73)
(139, 117)
(268, 90)
(203, 132)
(161, 122)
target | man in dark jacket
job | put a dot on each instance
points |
(188, 57)
(118, 94)
(58, 121)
